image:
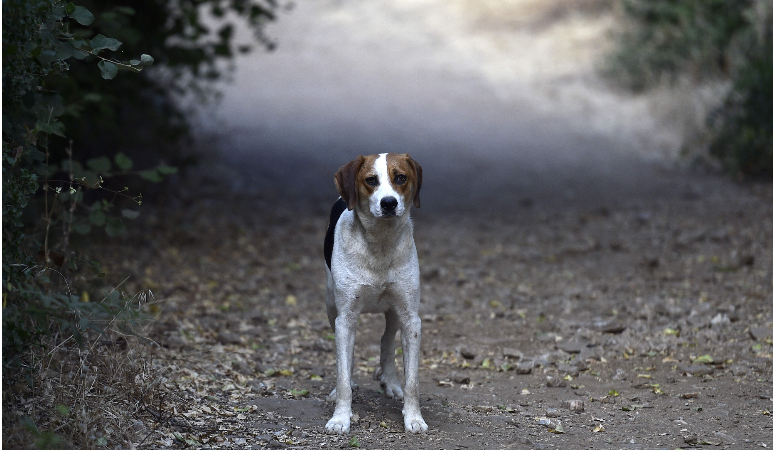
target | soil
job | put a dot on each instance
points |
(655, 313)
(564, 255)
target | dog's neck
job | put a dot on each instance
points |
(380, 234)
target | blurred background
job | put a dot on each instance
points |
(504, 103)
(575, 152)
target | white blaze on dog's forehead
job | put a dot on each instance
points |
(380, 165)
(385, 189)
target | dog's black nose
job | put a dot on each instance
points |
(388, 204)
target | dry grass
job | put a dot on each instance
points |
(91, 397)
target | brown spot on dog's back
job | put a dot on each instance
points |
(404, 164)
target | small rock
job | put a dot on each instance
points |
(556, 357)
(690, 395)
(553, 424)
(571, 347)
(467, 353)
(512, 353)
(460, 378)
(738, 370)
(256, 385)
(241, 367)
(227, 337)
(612, 326)
(483, 408)
(720, 319)
(555, 382)
(760, 333)
(524, 368)
(355, 418)
(551, 412)
(569, 369)
(690, 439)
(697, 370)
(573, 405)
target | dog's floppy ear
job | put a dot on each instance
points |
(346, 181)
(418, 177)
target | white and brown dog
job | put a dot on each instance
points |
(372, 267)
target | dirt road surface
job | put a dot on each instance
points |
(566, 259)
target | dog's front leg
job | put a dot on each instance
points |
(345, 341)
(410, 339)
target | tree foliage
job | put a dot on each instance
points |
(78, 133)
(706, 40)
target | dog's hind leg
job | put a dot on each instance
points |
(388, 375)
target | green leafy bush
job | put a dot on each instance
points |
(37, 291)
(706, 40)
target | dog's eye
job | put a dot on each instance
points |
(372, 181)
(400, 178)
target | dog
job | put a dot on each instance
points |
(372, 267)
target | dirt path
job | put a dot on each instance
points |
(611, 306)
(563, 256)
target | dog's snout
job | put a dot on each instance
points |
(388, 204)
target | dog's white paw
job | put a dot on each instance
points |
(392, 389)
(339, 424)
(413, 423)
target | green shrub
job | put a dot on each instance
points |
(707, 40)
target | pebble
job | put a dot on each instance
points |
(241, 367)
(467, 353)
(569, 369)
(697, 370)
(555, 382)
(760, 333)
(550, 423)
(227, 337)
(612, 326)
(720, 319)
(524, 368)
(460, 378)
(571, 347)
(551, 412)
(512, 353)
(573, 405)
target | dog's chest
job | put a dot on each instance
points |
(375, 268)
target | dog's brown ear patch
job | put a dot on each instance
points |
(418, 179)
(346, 181)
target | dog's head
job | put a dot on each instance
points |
(385, 184)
